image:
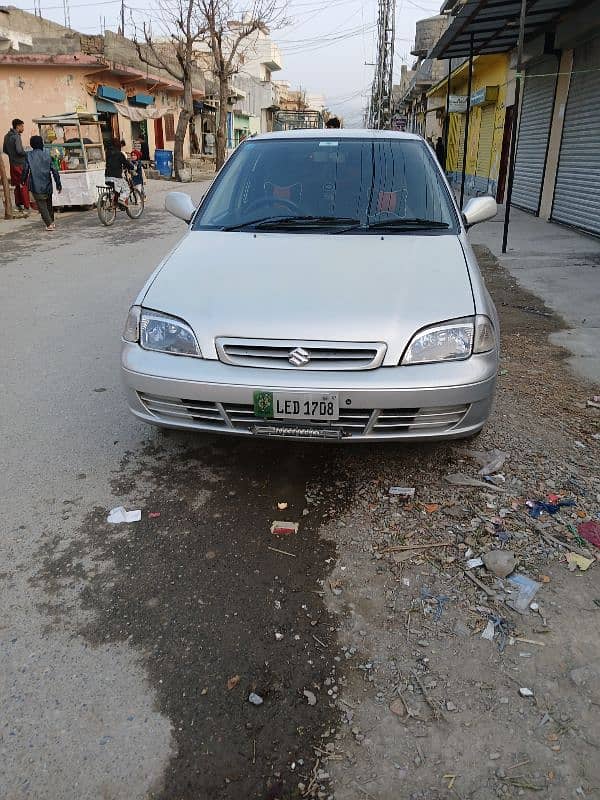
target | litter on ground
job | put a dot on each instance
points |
(119, 514)
(284, 528)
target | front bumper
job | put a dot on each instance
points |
(421, 402)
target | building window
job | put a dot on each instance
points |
(169, 127)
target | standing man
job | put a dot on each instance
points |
(440, 152)
(144, 149)
(38, 173)
(13, 147)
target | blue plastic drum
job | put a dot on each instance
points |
(164, 162)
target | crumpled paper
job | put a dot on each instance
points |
(119, 514)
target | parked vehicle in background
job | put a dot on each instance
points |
(298, 120)
(345, 302)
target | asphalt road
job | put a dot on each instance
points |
(117, 642)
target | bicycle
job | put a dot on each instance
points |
(109, 200)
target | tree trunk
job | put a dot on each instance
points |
(8, 210)
(222, 127)
(185, 115)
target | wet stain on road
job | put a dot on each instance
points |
(202, 596)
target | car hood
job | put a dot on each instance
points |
(343, 288)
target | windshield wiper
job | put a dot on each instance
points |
(299, 221)
(408, 224)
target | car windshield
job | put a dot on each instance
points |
(311, 184)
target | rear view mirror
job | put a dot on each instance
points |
(180, 205)
(479, 209)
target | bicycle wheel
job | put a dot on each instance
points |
(106, 209)
(135, 205)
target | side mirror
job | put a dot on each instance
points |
(180, 205)
(479, 209)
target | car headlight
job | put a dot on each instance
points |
(160, 332)
(451, 341)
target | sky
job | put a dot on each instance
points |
(326, 46)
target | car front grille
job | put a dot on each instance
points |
(353, 422)
(189, 411)
(392, 421)
(277, 354)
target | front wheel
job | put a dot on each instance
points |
(135, 205)
(106, 210)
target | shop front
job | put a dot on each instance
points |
(486, 123)
(577, 188)
(534, 132)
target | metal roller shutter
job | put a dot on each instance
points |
(484, 148)
(534, 132)
(577, 190)
(461, 141)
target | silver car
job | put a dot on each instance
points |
(325, 289)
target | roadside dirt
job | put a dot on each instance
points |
(432, 710)
(216, 614)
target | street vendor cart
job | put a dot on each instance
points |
(74, 142)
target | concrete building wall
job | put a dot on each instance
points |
(30, 92)
(22, 22)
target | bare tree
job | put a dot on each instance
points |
(229, 27)
(181, 28)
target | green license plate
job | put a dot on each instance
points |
(322, 407)
(263, 405)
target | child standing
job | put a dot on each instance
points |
(138, 172)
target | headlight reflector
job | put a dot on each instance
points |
(131, 332)
(455, 340)
(485, 336)
(167, 334)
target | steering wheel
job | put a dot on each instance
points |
(263, 202)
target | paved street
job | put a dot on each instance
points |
(127, 653)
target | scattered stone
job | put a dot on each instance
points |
(397, 707)
(450, 706)
(310, 697)
(255, 699)
(500, 562)
(587, 677)
(495, 756)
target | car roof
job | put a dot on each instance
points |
(337, 133)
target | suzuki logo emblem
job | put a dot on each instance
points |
(299, 357)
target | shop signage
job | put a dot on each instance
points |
(457, 104)
(487, 94)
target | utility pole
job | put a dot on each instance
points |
(380, 107)
(67, 13)
(122, 17)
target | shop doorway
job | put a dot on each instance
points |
(109, 124)
(508, 123)
(138, 130)
(159, 136)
